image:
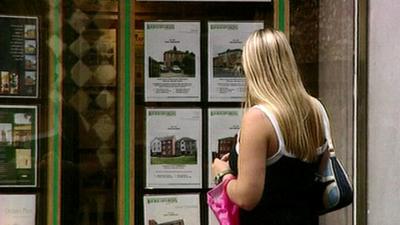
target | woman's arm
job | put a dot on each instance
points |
(256, 133)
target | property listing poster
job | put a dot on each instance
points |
(17, 209)
(172, 61)
(223, 127)
(19, 56)
(173, 148)
(18, 146)
(226, 82)
(182, 209)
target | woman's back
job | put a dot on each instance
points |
(287, 197)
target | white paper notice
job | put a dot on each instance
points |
(223, 126)
(173, 148)
(226, 81)
(17, 209)
(172, 61)
(183, 209)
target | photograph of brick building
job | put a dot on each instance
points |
(228, 63)
(176, 63)
(170, 147)
(186, 146)
(163, 146)
(169, 150)
(224, 146)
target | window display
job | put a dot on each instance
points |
(180, 209)
(223, 128)
(18, 146)
(187, 66)
(19, 61)
(172, 61)
(225, 72)
(121, 106)
(173, 148)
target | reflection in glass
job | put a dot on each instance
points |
(89, 113)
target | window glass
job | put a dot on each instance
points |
(24, 101)
(89, 159)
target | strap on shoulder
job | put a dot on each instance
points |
(327, 128)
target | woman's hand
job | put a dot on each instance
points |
(220, 165)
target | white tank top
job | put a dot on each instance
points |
(281, 143)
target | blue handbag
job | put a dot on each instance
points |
(333, 187)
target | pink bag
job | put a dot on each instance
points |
(224, 209)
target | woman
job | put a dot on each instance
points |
(281, 138)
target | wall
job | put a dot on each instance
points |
(336, 78)
(384, 113)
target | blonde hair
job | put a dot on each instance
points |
(272, 79)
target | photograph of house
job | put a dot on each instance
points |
(9, 83)
(30, 62)
(22, 135)
(186, 146)
(30, 46)
(170, 147)
(163, 146)
(169, 150)
(5, 133)
(224, 146)
(22, 118)
(14, 83)
(228, 64)
(5, 82)
(30, 31)
(30, 78)
(176, 63)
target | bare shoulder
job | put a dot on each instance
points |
(255, 121)
(253, 115)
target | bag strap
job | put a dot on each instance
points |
(327, 127)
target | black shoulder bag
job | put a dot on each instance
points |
(333, 189)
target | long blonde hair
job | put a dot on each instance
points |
(272, 79)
